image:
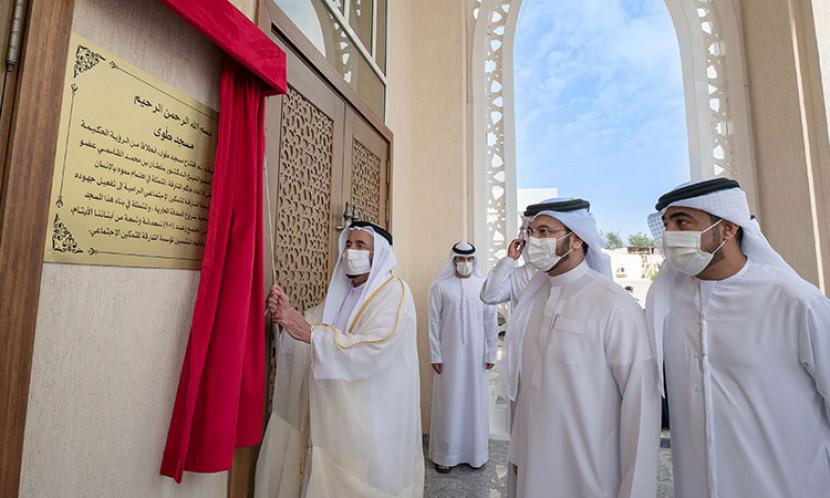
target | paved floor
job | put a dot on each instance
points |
(664, 479)
(491, 480)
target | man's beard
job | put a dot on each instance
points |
(716, 241)
(558, 253)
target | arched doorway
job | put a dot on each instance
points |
(712, 98)
(717, 112)
(600, 114)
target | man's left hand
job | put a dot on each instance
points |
(293, 322)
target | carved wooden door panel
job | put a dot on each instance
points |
(305, 149)
(304, 161)
(366, 170)
(320, 154)
(324, 161)
(304, 196)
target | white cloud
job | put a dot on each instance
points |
(600, 102)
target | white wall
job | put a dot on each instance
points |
(110, 341)
(247, 7)
(793, 211)
(427, 110)
(821, 16)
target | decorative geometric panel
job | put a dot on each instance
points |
(495, 19)
(476, 6)
(722, 149)
(346, 58)
(366, 184)
(303, 224)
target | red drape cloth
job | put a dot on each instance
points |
(221, 394)
(237, 36)
(220, 399)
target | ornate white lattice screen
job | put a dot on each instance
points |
(717, 116)
(716, 106)
(494, 174)
(715, 46)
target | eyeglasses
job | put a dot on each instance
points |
(544, 232)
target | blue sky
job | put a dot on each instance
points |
(599, 105)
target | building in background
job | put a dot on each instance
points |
(636, 267)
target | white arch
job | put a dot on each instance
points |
(493, 126)
(717, 108)
(714, 80)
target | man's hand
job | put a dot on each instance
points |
(293, 322)
(277, 299)
(514, 250)
(437, 367)
(488, 366)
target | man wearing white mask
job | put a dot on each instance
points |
(578, 363)
(346, 418)
(463, 340)
(747, 352)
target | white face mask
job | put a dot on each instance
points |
(464, 268)
(683, 251)
(356, 262)
(541, 253)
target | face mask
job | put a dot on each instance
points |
(465, 268)
(542, 252)
(356, 262)
(683, 251)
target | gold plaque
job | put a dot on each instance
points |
(133, 167)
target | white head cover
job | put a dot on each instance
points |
(729, 202)
(581, 222)
(448, 271)
(525, 221)
(731, 205)
(382, 263)
(523, 236)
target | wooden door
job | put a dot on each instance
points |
(304, 190)
(366, 170)
(304, 146)
(323, 150)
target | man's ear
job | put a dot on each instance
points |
(728, 230)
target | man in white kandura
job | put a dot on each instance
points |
(579, 364)
(505, 283)
(463, 340)
(747, 352)
(354, 390)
